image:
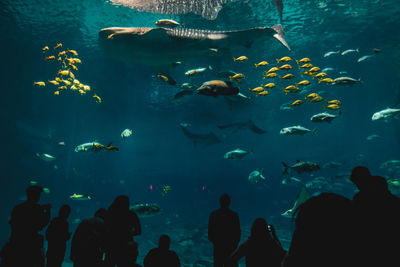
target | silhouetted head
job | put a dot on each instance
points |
(224, 201)
(64, 211)
(164, 242)
(101, 213)
(379, 184)
(360, 176)
(259, 227)
(33, 193)
(120, 204)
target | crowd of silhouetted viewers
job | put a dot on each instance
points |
(330, 230)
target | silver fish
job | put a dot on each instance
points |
(364, 58)
(386, 114)
(348, 51)
(330, 53)
(236, 154)
(296, 130)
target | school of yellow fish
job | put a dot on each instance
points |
(283, 64)
(65, 78)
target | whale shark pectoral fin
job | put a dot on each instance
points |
(280, 35)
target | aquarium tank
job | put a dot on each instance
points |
(267, 101)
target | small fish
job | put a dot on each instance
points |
(62, 53)
(332, 106)
(62, 87)
(323, 117)
(57, 92)
(45, 48)
(256, 176)
(53, 82)
(45, 157)
(50, 58)
(237, 77)
(74, 61)
(98, 99)
(326, 80)
(272, 70)
(348, 51)
(345, 81)
(167, 23)
(198, 70)
(58, 46)
(303, 83)
(284, 59)
(236, 154)
(72, 52)
(73, 67)
(314, 69)
(315, 99)
(269, 85)
(306, 66)
(58, 79)
(364, 58)
(308, 73)
(71, 75)
(126, 133)
(111, 36)
(270, 75)
(241, 58)
(296, 103)
(263, 93)
(386, 114)
(312, 95)
(73, 87)
(291, 89)
(320, 75)
(62, 143)
(285, 67)
(257, 89)
(330, 53)
(328, 69)
(76, 196)
(39, 84)
(66, 82)
(287, 77)
(377, 50)
(296, 130)
(86, 87)
(63, 72)
(303, 60)
(262, 63)
(336, 102)
(163, 77)
(372, 137)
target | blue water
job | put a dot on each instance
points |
(33, 120)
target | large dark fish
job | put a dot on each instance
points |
(205, 139)
(300, 167)
(163, 46)
(279, 6)
(243, 125)
(216, 87)
(208, 9)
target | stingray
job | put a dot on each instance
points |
(208, 9)
(163, 46)
(243, 125)
(204, 139)
(302, 197)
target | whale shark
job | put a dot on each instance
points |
(158, 46)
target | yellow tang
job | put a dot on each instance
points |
(284, 59)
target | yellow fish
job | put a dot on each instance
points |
(269, 85)
(59, 59)
(50, 58)
(72, 52)
(76, 82)
(306, 66)
(73, 67)
(316, 99)
(237, 77)
(262, 63)
(81, 86)
(54, 82)
(308, 73)
(263, 93)
(312, 95)
(62, 87)
(272, 70)
(257, 89)
(66, 82)
(326, 80)
(86, 87)
(71, 75)
(111, 35)
(320, 75)
(270, 75)
(241, 58)
(335, 102)
(304, 83)
(45, 48)
(82, 92)
(332, 106)
(73, 87)
(58, 79)
(296, 103)
(303, 60)
(58, 45)
(98, 99)
(63, 72)
(287, 76)
(314, 69)
(57, 92)
(62, 53)
(39, 83)
(163, 77)
(284, 59)
(291, 89)
(285, 67)
(75, 60)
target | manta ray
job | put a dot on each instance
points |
(162, 46)
(302, 197)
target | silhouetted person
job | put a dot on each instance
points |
(376, 211)
(263, 247)
(57, 235)
(224, 232)
(324, 233)
(122, 225)
(88, 242)
(162, 256)
(25, 247)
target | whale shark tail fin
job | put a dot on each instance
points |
(280, 35)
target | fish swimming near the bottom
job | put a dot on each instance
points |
(243, 125)
(146, 209)
(302, 197)
(204, 139)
